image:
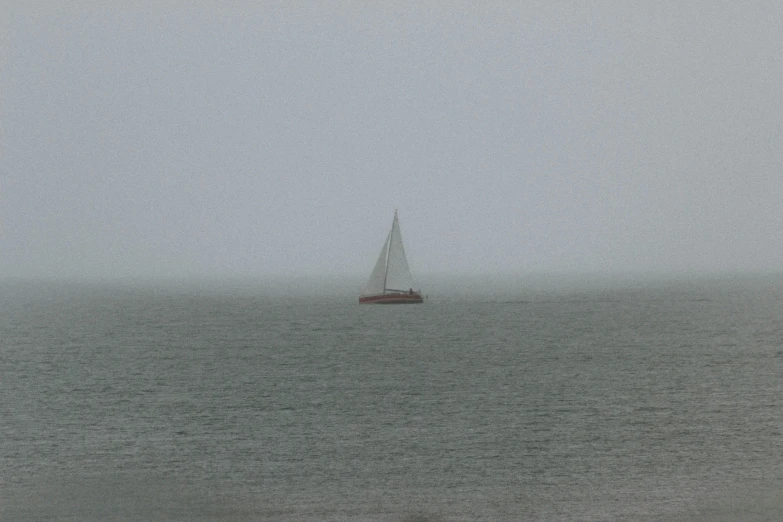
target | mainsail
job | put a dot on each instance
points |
(391, 272)
(378, 276)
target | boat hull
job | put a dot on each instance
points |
(409, 298)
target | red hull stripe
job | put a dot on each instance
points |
(391, 299)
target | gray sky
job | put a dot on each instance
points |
(258, 138)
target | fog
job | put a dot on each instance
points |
(276, 139)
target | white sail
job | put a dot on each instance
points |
(374, 285)
(398, 275)
(391, 272)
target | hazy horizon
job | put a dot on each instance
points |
(266, 140)
(436, 287)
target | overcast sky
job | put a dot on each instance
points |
(267, 138)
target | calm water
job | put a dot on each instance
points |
(644, 402)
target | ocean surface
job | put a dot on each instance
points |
(634, 401)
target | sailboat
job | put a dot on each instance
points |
(390, 281)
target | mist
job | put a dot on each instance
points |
(275, 140)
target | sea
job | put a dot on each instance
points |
(649, 399)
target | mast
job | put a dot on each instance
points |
(388, 250)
